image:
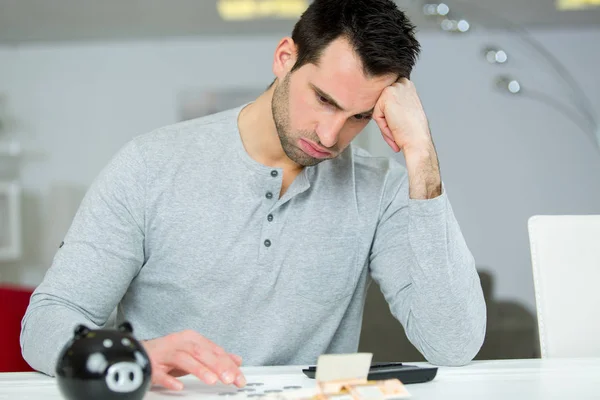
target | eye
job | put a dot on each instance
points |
(361, 117)
(322, 99)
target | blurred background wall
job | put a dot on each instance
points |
(78, 80)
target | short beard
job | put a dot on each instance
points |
(281, 115)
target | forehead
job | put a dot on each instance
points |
(339, 73)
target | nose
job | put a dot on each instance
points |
(124, 377)
(329, 130)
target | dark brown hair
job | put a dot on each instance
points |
(379, 32)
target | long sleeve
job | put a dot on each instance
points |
(427, 274)
(101, 253)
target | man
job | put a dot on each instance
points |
(254, 232)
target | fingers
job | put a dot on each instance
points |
(391, 143)
(224, 365)
(212, 345)
(387, 133)
(188, 352)
(199, 340)
(166, 380)
(236, 359)
(188, 363)
(382, 123)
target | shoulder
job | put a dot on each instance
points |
(199, 133)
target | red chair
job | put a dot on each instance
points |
(13, 304)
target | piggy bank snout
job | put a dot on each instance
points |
(124, 377)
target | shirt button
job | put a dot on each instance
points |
(274, 173)
(267, 243)
(269, 195)
(270, 217)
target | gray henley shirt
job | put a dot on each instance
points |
(184, 230)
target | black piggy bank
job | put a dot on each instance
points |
(104, 364)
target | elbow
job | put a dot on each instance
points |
(458, 357)
(33, 361)
(32, 353)
(462, 348)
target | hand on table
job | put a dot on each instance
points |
(188, 352)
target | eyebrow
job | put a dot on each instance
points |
(335, 103)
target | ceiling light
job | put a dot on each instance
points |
(240, 10)
(508, 84)
(449, 25)
(440, 9)
(430, 9)
(576, 4)
(463, 25)
(452, 25)
(495, 56)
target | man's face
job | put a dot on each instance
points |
(319, 109)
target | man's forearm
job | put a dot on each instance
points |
(423, 169)
(448, 314)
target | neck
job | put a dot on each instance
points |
(259, 134)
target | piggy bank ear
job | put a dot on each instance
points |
(126, 327)
(81, 331)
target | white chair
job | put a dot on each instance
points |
(565, 254)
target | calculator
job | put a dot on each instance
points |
(391, 370)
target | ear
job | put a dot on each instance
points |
(284, 58)
(81, 331)
(126, 327)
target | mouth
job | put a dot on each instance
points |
(313, 150)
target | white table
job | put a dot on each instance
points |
(507, 379)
